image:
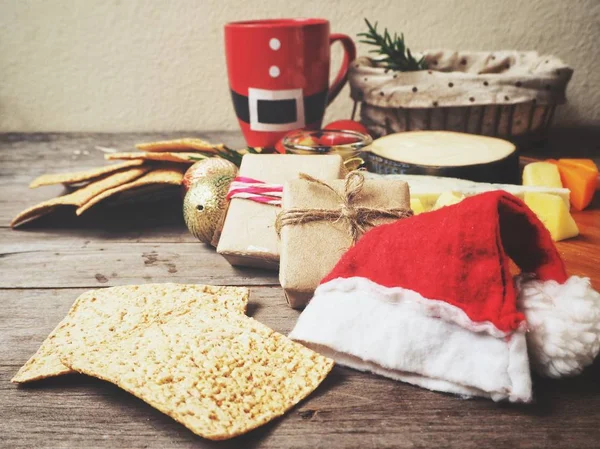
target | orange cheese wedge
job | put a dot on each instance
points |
(580, 176)
(581, 163)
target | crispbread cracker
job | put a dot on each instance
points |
(119, 311)
(81, 176)
(161, 176)
(183, 158)
(80, 196)
(180, 145)
(218, 375)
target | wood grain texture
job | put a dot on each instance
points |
(100, 264)
(350, 409)
(45, 266)
(582, 253)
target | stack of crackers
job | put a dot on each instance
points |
(155, 165)
(188, 350)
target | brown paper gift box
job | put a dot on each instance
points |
(248, 237)
(310, 251)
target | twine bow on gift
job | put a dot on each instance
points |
(359, 218)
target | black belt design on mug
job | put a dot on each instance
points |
(278, 110)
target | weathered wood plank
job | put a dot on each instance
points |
(75, 240)
(16, 196)
(41, 265)
(147, 220)
(42, 235)
(34, 154)
(351, 409)
(25, 156)
(582, 253)
(102, 264)
(28, 316)
(122, 237)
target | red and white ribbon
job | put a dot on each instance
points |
(255, 190)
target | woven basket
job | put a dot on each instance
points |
(507, 94)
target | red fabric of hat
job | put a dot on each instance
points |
(466, 263)
(430, 301)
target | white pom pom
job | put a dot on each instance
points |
(563, 322)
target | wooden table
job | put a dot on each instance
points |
(45, 266)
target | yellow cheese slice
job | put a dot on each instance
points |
(416, 206)
(541, 174)
(553, 212)
(427, 189)
(448, 199)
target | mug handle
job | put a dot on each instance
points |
(349, 56)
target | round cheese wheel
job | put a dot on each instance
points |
(444, 153)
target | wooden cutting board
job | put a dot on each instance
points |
(582, 253)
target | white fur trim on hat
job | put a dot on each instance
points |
(563, 324)
(397, 333)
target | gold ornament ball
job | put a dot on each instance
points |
(204, 205)
(207, 167)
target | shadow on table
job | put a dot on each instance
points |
(59, 382)
(165, 212)
(553, 396)
(113, 396)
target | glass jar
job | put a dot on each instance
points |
(346, 143)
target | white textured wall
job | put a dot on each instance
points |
(139, 65)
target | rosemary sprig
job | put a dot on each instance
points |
(397, 55)
(231, 155)
(234, 156)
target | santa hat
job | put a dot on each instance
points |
(431, 301)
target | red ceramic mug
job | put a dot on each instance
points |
(279, 75)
